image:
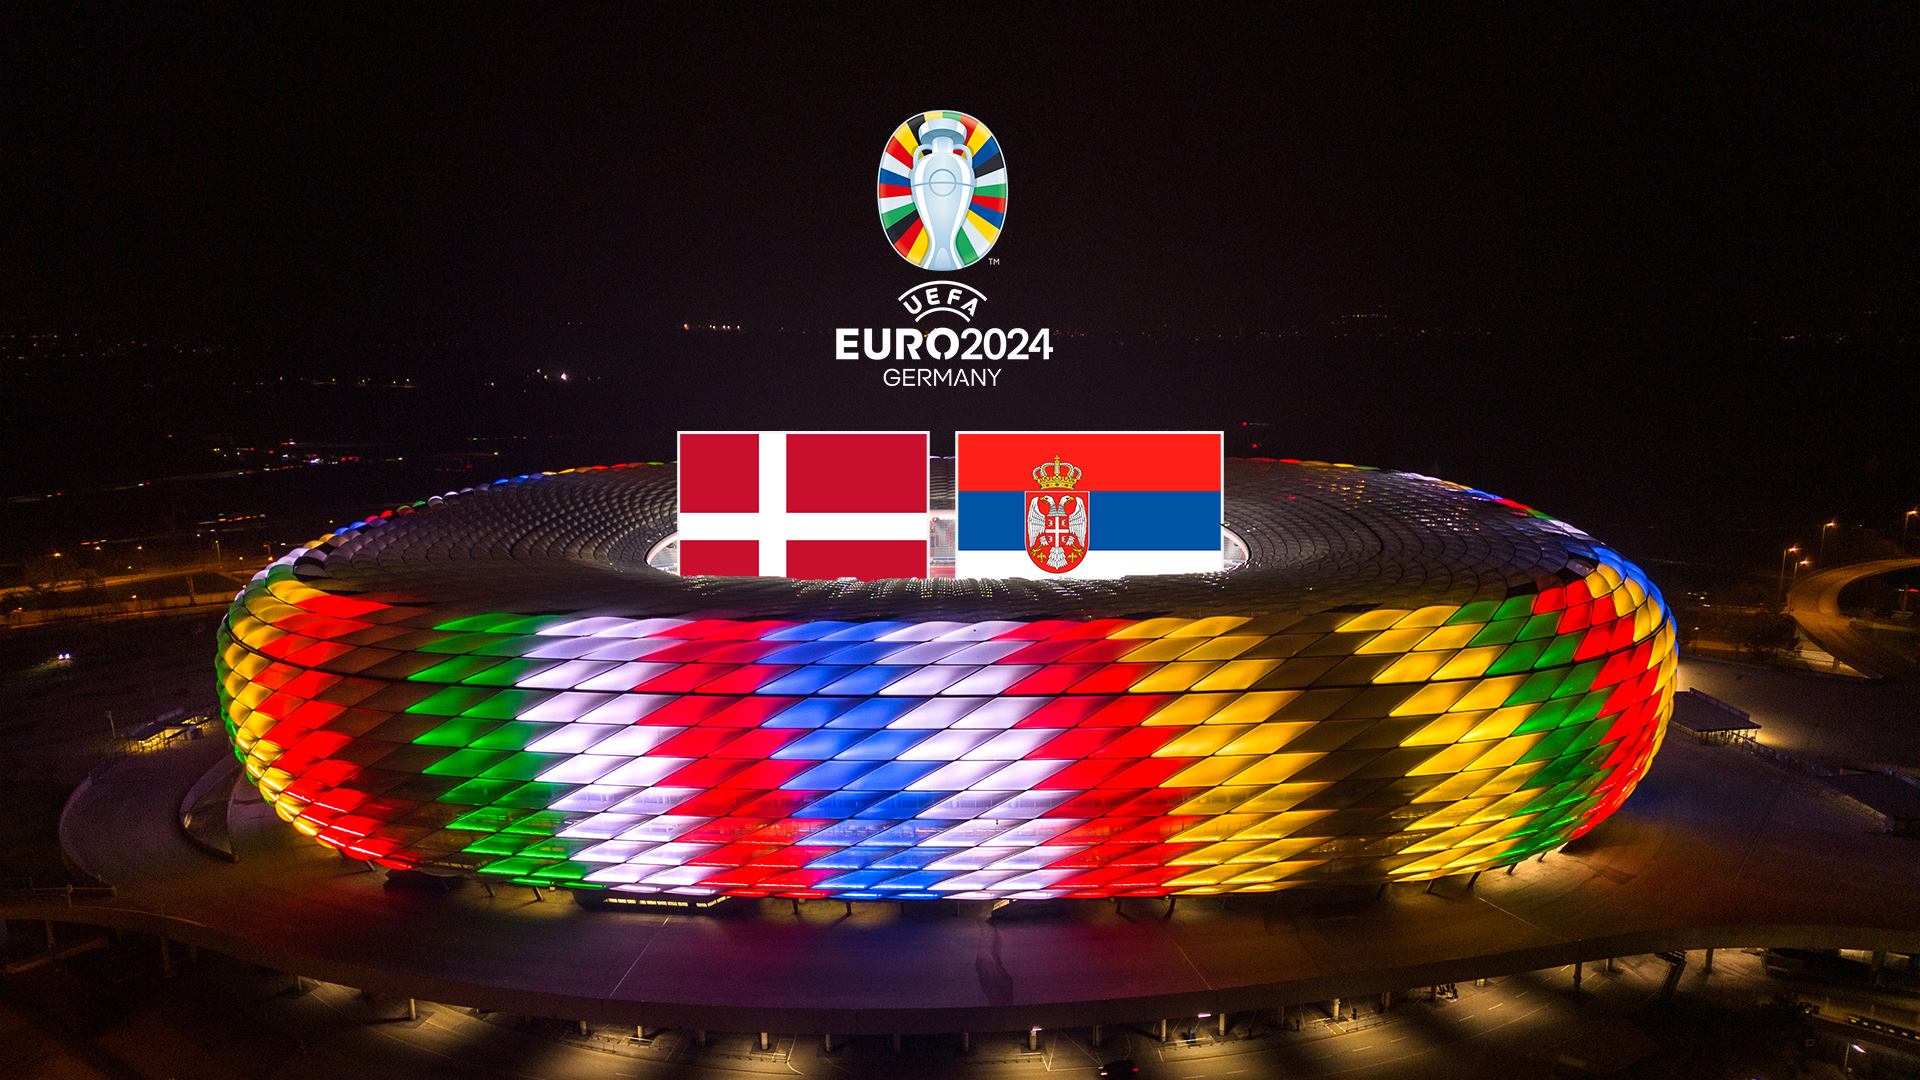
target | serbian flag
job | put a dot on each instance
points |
(1088, 504)
(804, 504)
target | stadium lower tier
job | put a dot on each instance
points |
(1407, 679)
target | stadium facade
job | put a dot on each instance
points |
(1406, 679)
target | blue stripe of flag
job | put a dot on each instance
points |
(1120, 521)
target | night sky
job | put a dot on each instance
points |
(1633, 266)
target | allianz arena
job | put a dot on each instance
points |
(1406, 679)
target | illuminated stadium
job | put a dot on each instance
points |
(1406, 679)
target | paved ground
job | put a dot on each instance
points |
(1717, 848)
(1815, 605)
(1823, 719)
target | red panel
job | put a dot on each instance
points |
(1150, 773)
(1075, 743)
(1042, 652)
(315, 713)
(1105, 651)
(791, 858)
(1053, 679)
(720, 558)
(778, 803)
(1096, 628)
(792, 830)
(758, 744)
(319, 653)
(1114, 678)
(733, 855)
(322, 744)
(1092, 804)
(1158, 829)
(1081, 774)
(741, 652)
(799, 879)
(719, 474)
(723, 830)
(751, 631)
(698, 628)
(1063, 712)
(857, 473)
(1036, 631)
(685, 711)
(1576, 618)
(683, 678)
(1155, 855)
(746, 679)
(1595, 643)
(867, 560)
(686, 651)
(766, 775)
(1136, 743)
(1157, 801)
(705, 773)
(695, 742)
(746, 712)
(1128, 711)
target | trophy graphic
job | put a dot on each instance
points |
(942, 188)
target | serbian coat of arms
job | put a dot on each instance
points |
(1056, 518)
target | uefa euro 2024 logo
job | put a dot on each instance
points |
(942, 190)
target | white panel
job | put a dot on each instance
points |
(947, 746)
(565, 676)
(930, 652)
(626, 708)
(938, 713)
(646, 770)
(1001, 712)
(636, 740)
(564, 707)
(582, 769)
(958, 776)
(926, 681)
(1013, 745)
(1021, 775)
(986, 652)
(626, 676)
(572, 739)
(993, 679)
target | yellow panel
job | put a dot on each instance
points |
(1378, 619)
(1213, 627)
(1210, 876)
(1392, 641)
(1450, 760)
(1284, 797)
(1222, 648)
(260, 636)
(1221, 826)
(1490, 693)
(1150, 628)
(1188, 709)
(1432, 698)
(250, 666)
(1214, 854)
(1461, 786)
(1265, 739)
(1428, 616)
(1503, 807)
(252, 695)
(233, 683)
(1237, 675)
(1274, 768)
(1450, 637)
(1173, 678)
(1209, 772)
(1253, 708)
(1444, 731)
(1160, 651)
(1470, 663)
(1414, 667)
(1285, 848)
(1202, 741)
(1510, 781)
(1441, 841)
(238, 628)
(1507, 751)
(232, 654)
(1500, 723)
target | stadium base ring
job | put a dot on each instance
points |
(1406, 679)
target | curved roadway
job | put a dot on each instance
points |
(1716, 849)
(1814, 603)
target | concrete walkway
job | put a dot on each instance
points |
(1814, 603)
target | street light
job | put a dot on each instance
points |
(1847, 1056)
(1834, 524)
(1906, 523)
(1784, 556)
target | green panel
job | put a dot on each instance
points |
(468, 763)
(507, 704)
(452, 701)
(487, 818)
(514, 867)
(506, 672)
(1559, 651)
(532, 624)
(558, 847)
(992, 191)
(1517, 658)
(1588, 708)
(524, 766)
(497, 844)
(478, 792)
(1516, 607)
(1538, 687)
(512, 645)
(1541, 626)
(459, 731)
(1497, 633)
(460, 643)
(1550, 747)
(1579, 680)
(456, 669)
(544, 823)
(537, 796)
(1545, 718)
(1472, 613)
(562, 871)
(889, 217)
(513, 735)
(478, 622)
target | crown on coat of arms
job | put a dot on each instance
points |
(1057, 474)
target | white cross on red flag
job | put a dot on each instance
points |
(804, 504)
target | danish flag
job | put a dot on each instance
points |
(804, 504)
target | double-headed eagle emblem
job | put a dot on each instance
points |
(1057, 518)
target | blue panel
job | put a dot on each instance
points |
(894, 776)
(807, 631)
(855, 880)
(804, 680)
(833, 774)
(866, 631)
(852, 858)
(1118, 521)
(913, 859)
(819, 745)
(919, 879)
(802, 652)
(877, 712)
(840, 804)
(868, 680)
(906, 804)
(883, 745)
(867, 652)
(811, 713)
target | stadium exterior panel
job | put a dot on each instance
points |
(1407, 679)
